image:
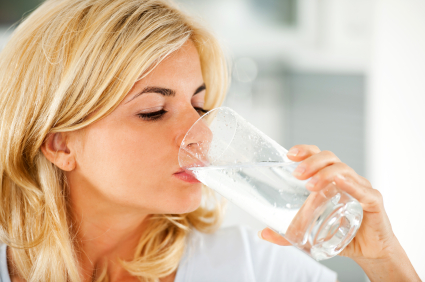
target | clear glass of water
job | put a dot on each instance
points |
(231, 156)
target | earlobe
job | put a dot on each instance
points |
(55, 149)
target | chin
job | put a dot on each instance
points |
(189, 202)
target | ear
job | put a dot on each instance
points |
(56, 151)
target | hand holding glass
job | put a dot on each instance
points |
(229, 155)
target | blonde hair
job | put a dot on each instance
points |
(70, 59)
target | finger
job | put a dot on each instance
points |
(363, 181)
(371, 199)
(314, 163)
(273, 237)
(301, 152)
(326, 175)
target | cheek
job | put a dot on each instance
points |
(124, 158)
(132, 168)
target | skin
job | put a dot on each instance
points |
(120, 168)
(375, 247)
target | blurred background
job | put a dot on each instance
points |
(347, 76)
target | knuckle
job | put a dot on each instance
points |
(378, 195)
(343, 166)
(323, 175)
(365, 181)
(315, 148)
(330, 155)
(327, 152)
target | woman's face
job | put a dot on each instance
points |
(130, 157)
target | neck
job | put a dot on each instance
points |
(106, 241)
(105, 233)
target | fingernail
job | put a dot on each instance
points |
(299, 170)
(293, 152)
(310, 185)
(259, 235)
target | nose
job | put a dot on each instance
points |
(187, 121)
(194, 141)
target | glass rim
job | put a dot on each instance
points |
(200, 118)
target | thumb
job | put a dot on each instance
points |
(269, 235)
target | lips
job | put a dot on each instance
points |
(186, 176)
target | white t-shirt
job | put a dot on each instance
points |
(235, 254)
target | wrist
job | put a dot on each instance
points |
(392, 264)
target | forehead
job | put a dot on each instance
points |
(181, 67)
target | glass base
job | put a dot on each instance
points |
(334, 227)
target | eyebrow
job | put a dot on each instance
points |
(164, 91)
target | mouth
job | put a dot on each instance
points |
(186, 176)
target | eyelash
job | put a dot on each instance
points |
(159, 114)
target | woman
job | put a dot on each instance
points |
(96, 96)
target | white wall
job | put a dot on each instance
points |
(396, 120)
(330, 36)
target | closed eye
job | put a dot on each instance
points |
(159, 114)
(152, 116)
(201, 111)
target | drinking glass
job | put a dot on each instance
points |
(231, 156)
